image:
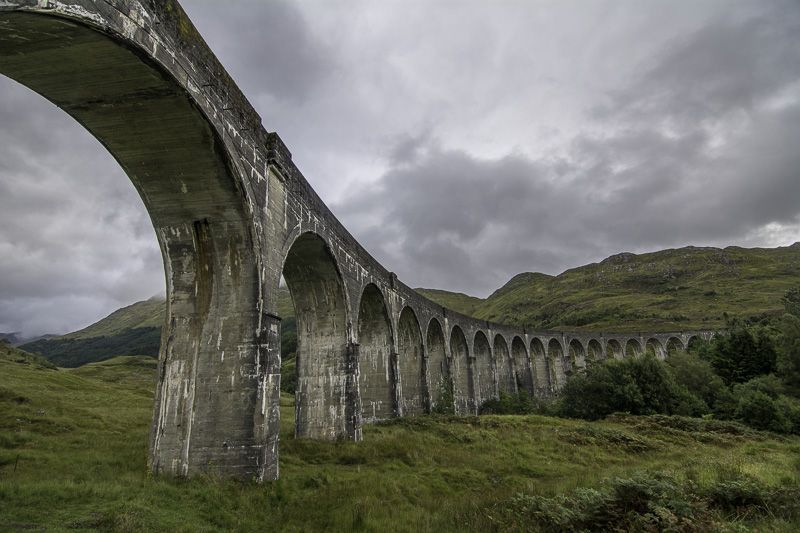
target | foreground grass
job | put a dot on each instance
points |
(73, 447)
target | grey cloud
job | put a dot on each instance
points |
(266, 46)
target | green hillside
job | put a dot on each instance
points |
(73, 448)
(686, 288)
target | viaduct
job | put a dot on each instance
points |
(232, 213)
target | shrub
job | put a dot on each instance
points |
(509, 404)
(758, 410)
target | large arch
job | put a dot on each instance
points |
(483, 373)
(594, 351)
(504, 365)
(410, 362)
(541, 368)
(522, 366)
(325, 379)
(461, 372)
(375, 365)
(614, 349)
(193, 192)
(439, 381)
(556, 362)
(654, 347)
(577, 356)
(632, 349)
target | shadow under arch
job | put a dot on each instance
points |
(439, 383)
(461, 371)
(557, 364)
(541, 368)
(483, 381)
(326, 365)
(410, 362)
(594, 352)
(522, 366)
(375, 365)
(196, 200)
(506, 381)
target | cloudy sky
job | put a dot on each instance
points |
(461, 142)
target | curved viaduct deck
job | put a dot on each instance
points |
(233, 213)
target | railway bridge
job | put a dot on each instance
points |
(233, 214)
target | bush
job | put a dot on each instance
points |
(701, 381)
(520, 403)
(640, 386)
(758, 410)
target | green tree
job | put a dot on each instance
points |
(791, 301)
(789, 351)
(741, 353)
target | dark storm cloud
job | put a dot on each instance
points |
(266, 46)
(460, 147)
(693, 151)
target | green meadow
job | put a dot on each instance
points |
(73, 447)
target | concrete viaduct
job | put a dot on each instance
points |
(232, 213)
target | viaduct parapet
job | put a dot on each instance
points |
(232, 213)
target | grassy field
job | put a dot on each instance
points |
(73, 447)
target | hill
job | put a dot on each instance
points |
(73, 447)
(685, 288)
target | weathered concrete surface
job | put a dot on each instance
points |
(232, 214)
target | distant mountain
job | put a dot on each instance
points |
(685, 288)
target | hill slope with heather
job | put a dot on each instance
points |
(685, 288)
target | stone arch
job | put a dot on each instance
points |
(674, 344)
(375, 364)
(632, 349)
(693, 342)
(522, 365)
(614, 349)
(410, 362)
(483, 379)
(577, 356)
(506, 381)
(439, 380)
(325, 381)
(556, 361)
(541, 367)
(461, 372)
(654, 347)
(594, 351)
(178, 161)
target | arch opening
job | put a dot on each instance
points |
(375, 361)
(325, 375)
(506, 381)
(577, 356)
(440, 382)
(195, 197)
(541, 368)
(556, 362)
(522, 366)
(654, 348)
(411, 363)
(594, 352)
(483, 374)
(461, 372)
(674, 345)
(614, 349)
(632, 349)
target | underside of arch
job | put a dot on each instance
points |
(217, 366)
(439, 383)
(522, 366)
(461, 371)
(506, 382)
(326, 372)
(375, 362)
(483, 376)
(541, 368)
(557, 363)
(410, 362)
